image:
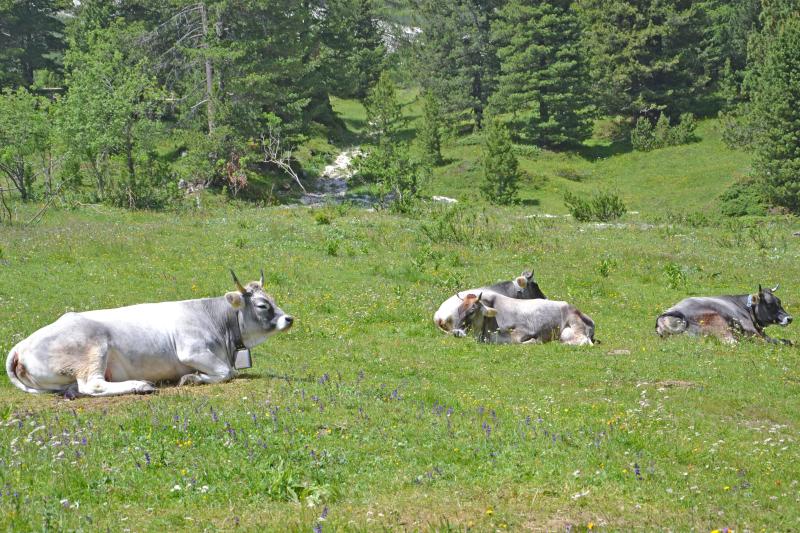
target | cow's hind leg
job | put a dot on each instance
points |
(96, 385)
(671, 325)
(92, 377)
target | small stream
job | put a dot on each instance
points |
(331, 186)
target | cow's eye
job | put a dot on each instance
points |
(262, 306)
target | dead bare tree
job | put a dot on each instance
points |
(171, 43)
(278, 154)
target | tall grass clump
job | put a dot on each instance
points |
(603, 206)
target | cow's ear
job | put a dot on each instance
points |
(755, 298)
(235, 299)
(522, 281)
(489, 311)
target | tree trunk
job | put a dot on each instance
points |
(209, 71)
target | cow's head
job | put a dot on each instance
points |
(767, 308)
(527, 288)
(472, 313)
(259, 317)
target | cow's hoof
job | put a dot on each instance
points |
(189, 379)
(459, 333)
(145, 388)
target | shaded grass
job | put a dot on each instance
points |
(366, 409)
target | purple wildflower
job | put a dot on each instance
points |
(147, 458)
(317, 528)
(214, 416)
(324, 514)
(487, 428)
(637, 471)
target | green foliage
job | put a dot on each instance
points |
(644, 55)
(543, 79)
(645, 137)
(354, 46)
(398, 176)
(31, 39)
(383, 109)
(675, 276)
(110, 116)
(776, 109)
(601, 207)
(429, 135)
(455, 55)
(25, 129)
(501, 172)
(743, 197)
(642, 137)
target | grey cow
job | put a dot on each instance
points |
(496, 318)
(523, 287)
(725, 316)
(124, 350)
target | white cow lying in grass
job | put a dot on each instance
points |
(125, 350)
(495, 318)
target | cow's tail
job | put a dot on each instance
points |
(671, 323)
(16, 370)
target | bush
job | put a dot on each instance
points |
(642, 136)
(602, 207)
(743, 197)
(645, 137)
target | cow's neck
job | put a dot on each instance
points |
(751, 309)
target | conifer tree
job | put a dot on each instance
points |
(383, 109)
(776, 109)
(644, 55)
(543, 77)
(430, 132)
(500, 166)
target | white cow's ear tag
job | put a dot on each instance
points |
(242, 359)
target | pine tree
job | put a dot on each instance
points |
(31, 38)
(354, 46)
(500, 166)
(776, 109)
(456, 57)
(429, 135)
(383, 110)
(644, 55)
(543, 76)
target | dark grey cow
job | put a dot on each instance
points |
(523, 287)
(496, 318)
(725, 317)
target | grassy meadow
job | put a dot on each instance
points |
(364, 417)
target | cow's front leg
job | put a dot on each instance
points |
(210, 368)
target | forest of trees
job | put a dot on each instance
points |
(119, 101)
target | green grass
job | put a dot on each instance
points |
(366, 409)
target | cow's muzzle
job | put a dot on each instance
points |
(285, 322)
(785, 321)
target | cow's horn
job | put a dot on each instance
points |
(459, 297)
(262, 277)
(238, 285)
(775, 288)
(479, 296)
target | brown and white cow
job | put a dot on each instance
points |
(523, 287)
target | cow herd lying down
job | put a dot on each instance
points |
(127, 349)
